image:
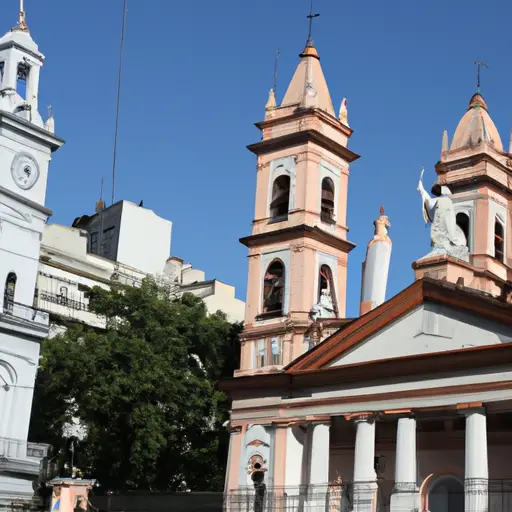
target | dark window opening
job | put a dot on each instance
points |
(327, 212)
(499, 242)
(108, 237)
(64, 291)
(463, 222)
(22, 79)
(326, 290)
(93, 243)
(10, 289)
(262, 360)
(280, 198)
(275, 349)
(2, 68)
(273, 290)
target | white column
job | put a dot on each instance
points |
(365, 478)
(318, 476)
(405, 495)
(476, 467)
(295, 440)
(319, 462)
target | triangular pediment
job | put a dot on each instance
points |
(429, 317)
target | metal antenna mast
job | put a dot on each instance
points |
(114, 161)
(274, 86)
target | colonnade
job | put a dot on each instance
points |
(406, 491)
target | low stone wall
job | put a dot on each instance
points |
(156, 502)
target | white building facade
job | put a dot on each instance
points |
(26, 147)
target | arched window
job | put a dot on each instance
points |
(499, 241)
(326, 291)
(10, 289)
(273, 289)
(64, 291)
(462, 220)
(327, 205)
(280, 198)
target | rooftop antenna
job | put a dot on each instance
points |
(274, 86)
(311, 17)
(479, 64)
(114, 160)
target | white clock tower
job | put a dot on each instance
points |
(26, 146)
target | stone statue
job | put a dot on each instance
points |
(446, 236)
(324, 308)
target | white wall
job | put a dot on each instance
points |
(144, 239)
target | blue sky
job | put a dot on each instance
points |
(197, 76)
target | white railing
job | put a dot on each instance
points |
(18, 449)
(27, 313)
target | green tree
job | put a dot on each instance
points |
(143, 391)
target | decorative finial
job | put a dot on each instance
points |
(311, 16)
(22, 19)
(382, 210)
(444, 144)
(50, 122)
(343, 114)
(479, 64)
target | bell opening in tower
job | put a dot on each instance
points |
(273, 290)
(280, 199)
(327, 204)
(499, 241)
(2, 67)
(326, 292)
(21, 79)
(462, 220)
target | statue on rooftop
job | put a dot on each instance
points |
(446, 236)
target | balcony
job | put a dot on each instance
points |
(18, 449)
(62, 300)
(24, 312)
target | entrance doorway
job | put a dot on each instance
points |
(446, 495)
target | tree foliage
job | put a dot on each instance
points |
(143, 390)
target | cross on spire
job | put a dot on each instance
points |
(311, 17)
(22, 23)
(479, 65)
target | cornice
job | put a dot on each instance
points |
(301, 137)
(294, 232)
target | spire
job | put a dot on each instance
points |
(22, 24)
(476, 126)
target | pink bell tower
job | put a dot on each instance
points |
(298, 249)
(477, 170)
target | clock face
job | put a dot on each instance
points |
(25, 171)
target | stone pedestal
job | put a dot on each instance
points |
(405, 495)
(476, 465)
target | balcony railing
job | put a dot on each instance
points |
(26, 313)
(62, 300)
(18, 449)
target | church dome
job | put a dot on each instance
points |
(476, 126)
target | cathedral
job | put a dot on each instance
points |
(407, 407)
